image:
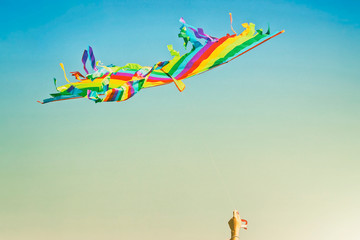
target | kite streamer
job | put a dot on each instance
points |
(114, 83)
(232, 29)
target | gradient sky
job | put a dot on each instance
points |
(275, 133)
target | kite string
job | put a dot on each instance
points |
(220, 176)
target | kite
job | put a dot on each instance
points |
(109, 83)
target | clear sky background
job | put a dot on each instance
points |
(274, 134)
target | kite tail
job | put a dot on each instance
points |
(194, 35)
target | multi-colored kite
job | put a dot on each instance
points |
(113, 83)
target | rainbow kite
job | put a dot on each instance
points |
(113, 83)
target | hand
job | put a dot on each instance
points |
(235, 224)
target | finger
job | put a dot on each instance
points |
(235, 213)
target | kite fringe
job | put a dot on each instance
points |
(62, 67)
(84, 59)
(231, 23)
(92, 59)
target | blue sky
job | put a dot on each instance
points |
(274, 133)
